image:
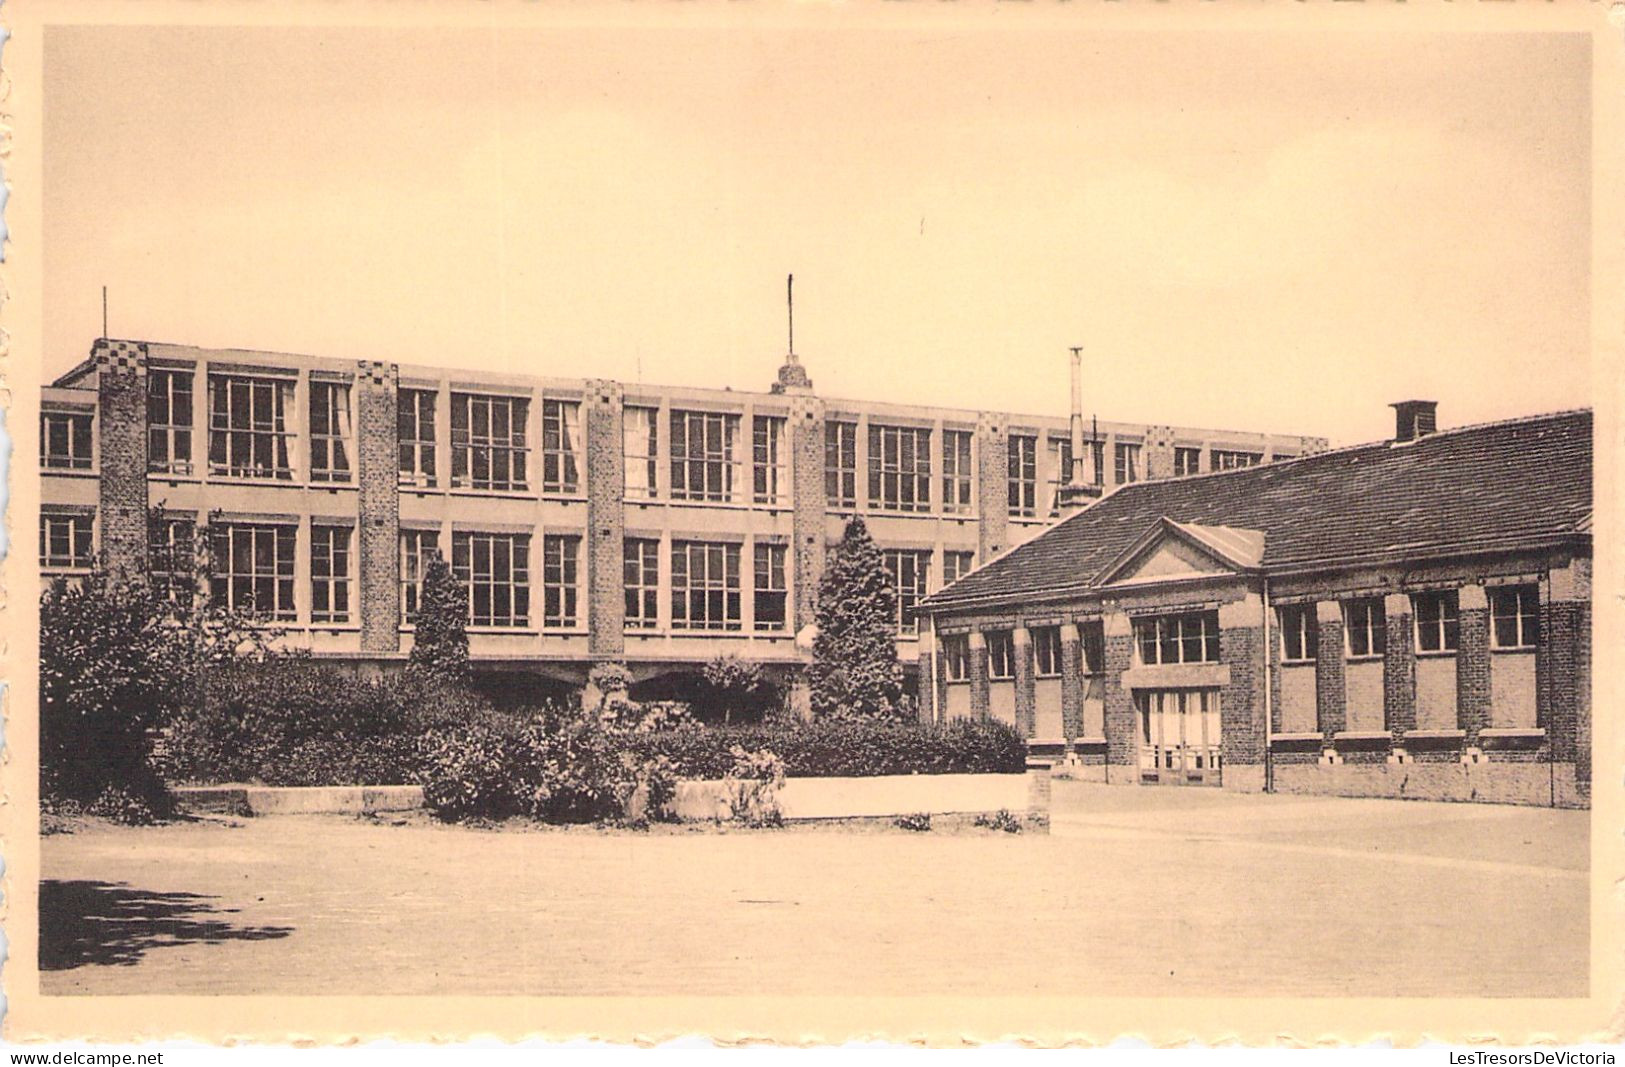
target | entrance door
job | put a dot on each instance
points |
(1179, 736)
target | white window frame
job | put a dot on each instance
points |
(640, 445)
(1187, 461)
(1021, 480)
(841, 477)
(1445, 628)
(910, 573)
(1524, 616)
(330, 447)
(704, 468)
(958, 472)
(1126, 463)
(71, 460)
(415, 432)
(956, 658)
(896, 485)
(226, 583)
(1182, 630)
(715, 583)
(640, 577)
(165, 388)
(79, 530)
(278, 443)
(561, 581)
(508, 453)
(1001, 655)
(770, 579)
(330, 572)
(418, 547)
(1230, 459)
(770, 476)
(1298, 625)
(956, 563)
(514, 589)
(1047, 652)
(1372, 616)
(561, 447)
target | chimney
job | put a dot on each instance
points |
(1077, 490)
(1414, 418)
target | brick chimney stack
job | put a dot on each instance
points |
(1414, 418)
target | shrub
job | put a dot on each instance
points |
(919, 822)
(842, 747)
(854, 661)
(734, 686)
(752, 786)
(1000, 820)
(440, 636)
(470, 772)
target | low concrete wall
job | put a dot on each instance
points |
(299, 800)
(837, 798)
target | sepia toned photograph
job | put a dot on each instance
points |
(718, 509)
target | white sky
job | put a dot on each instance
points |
(1255, 231)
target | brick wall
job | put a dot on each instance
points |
(1022, 645)
(1473, 663)
(1240, 705)
(378, 521)
(603, 430)
(1122, 721)
(992, 486)
(121, 368)
(978, 676)
(1071, 682)
(1157, 453)
(1399, 667)
(807, 519)
(1331, 708)
(1565, 628)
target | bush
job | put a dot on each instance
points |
(470, 772)
(752, 787)
(1000, 820)
(919, 822)
(843, 747)
(440, 635)
(854, 657)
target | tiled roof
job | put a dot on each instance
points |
(1515, 483)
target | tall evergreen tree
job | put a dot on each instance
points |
(440, 645)
(854, 663)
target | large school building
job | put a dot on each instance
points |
(590, 520)
(1405, 618)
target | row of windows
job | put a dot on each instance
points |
(1514, 623)
(1001, 655)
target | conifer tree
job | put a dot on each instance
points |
(440, 645)
(854, 664)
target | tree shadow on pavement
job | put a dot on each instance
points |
(83, 922)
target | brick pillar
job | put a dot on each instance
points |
(121, 374)
(1122, 719)
(1157, 454)
(992, 485)
(810, 503)
(1563, 666)
(1241, 703)
(1399, 666)
(603, 428)
(939, 664)
(378, 523)
(1021, 641)
(978, 675)
(1331, 699)
(1473, 662)
(1071, 681)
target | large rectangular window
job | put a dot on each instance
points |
(770, 476)
(1365, 626)
(956, 564)
(1023, 480)
(772, 604)
(641, 446)
(329, 574)
(1094, 647)
(1001, 655)
(329, 432)
(900, 468)
(1187, 461)
(249, 436)
(1192, 637)
(495, 568)
(1300, 633)
(956, 471)
(703, 455)
(489, 449)
(172, 555)
(910, 573)
(1515, 616)
(66, 540)
(1127, 464)
(169, 421)
(1047, 651)
(253, 568)
(561, 554)
(1437, 624)
(841, 464)
(956, 657)
(640, 563)
(418, 547)
(414, 429)
(64, 441)
(561, 446)
(704, 586)
(1226, 459)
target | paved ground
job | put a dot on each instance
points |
(1135, 892)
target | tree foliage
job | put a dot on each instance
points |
(734, 685)
(440, 644)
(854, 665)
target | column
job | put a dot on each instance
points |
(929, 655)
(978, 675)
(1331, 703)
(1122, 721)
(1021, 640)
(1473, 662)
(1563, 666)
(992, 485)
(1072, 680)
(378, 523)
(121, 426)
(1241, 704)
(603, 416)
(809, 503)
(1399, 666)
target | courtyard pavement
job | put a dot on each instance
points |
(1135, 892)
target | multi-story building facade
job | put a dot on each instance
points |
(590, 520)
(1408, 618)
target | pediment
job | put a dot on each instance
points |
(1173, 551)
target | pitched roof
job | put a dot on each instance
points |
(1522, 482)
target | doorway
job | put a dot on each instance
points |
(1180, 736)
